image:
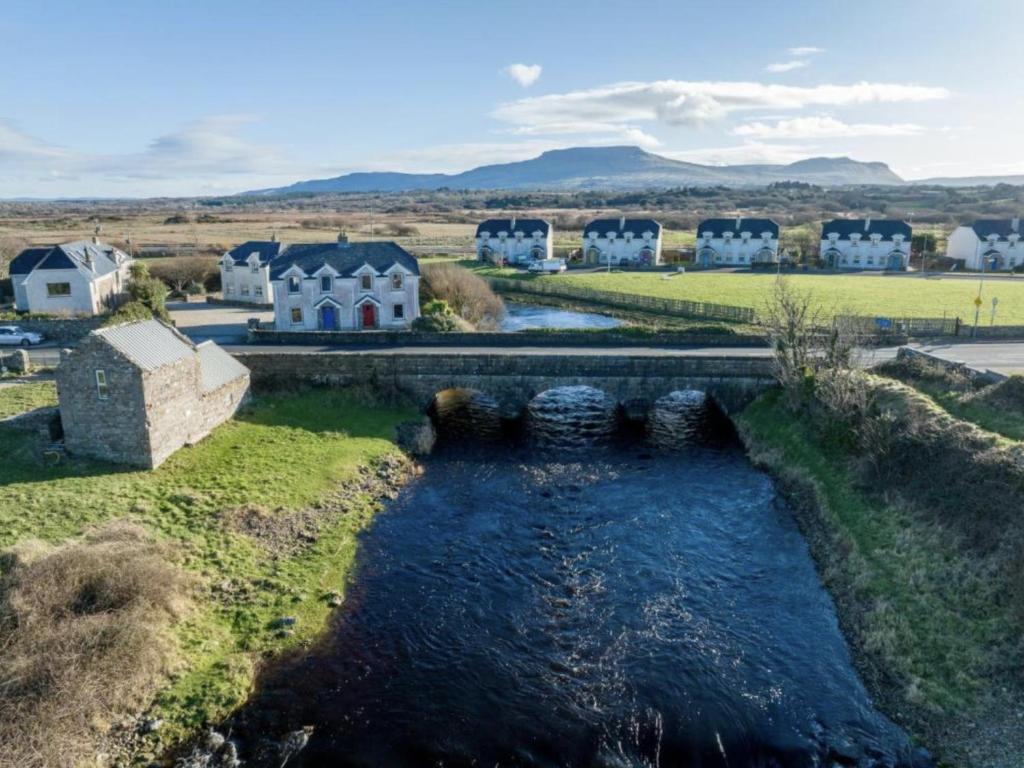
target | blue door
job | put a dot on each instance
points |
(327, 318)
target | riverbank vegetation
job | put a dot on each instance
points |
(261, 516)
(465, 293)
(912, 516)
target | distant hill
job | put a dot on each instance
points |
(603, 168)
(971, 181)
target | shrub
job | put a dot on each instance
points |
(436, 315)
(148, 291)
(179, 273)
(84, 629)
(468, 294)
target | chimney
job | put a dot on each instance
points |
(739, 223)
(273, 236)
(512, 225)
(867, 223)
(1015, 224)
(95, 240)
(342, 240)
(88, 257)
(622, 222)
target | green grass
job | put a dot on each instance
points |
(19, 398)
(930, 614)
(999, 419)
(286, 453)
(853, 294)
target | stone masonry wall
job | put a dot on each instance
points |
(173, 407)
(60, 329)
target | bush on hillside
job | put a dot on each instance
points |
(437, 316)
(468, 294)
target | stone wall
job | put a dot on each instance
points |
(60, 329)
(513, 380)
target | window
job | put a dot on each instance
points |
(366, 282)
(294, 285)
(397, 281)
(258, 290)
(101, 385)
(255, 268)
(229, 289)
(229, 267)
(296, 315)
(398, 311)
(326, 284)
(58, 289)
(245, 290)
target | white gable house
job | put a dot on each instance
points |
(992, 245)
(86, 277)
(622, 242)
(879, 244)
(345, 287)
(245, 272)
(737, 242)
(514, 241)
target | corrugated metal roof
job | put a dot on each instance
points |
(148, 343)
(217, 366)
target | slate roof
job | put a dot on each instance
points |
(1002, 228)
(346, 258)
(636, 226)
(217, 366)
(718, 227)
(526, 226)
(267, 250)
(887, 228)
(68, 256)
(148, 343)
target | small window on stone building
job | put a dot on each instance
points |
(296, 316)
(101, 385)
(396, 281)
(398, 312)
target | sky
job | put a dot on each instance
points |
(178, 97)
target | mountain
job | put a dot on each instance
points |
(971, 181)
(603, 168)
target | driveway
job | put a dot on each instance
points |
(222, 324)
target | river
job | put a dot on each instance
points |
(528, 317)
(606, 606)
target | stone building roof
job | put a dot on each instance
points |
(217, 366)
(345, 258)
(718, 227)
(526, 226)
(620, 226)
(887, 228)
(149, 344)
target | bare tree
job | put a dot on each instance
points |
(181, 272)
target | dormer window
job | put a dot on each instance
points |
(294, 284)
(326, 284)
(519, 236)
(728, 236)
(255, 267)
(366, 282)
(229, 266)
(832, 237)
(745, 236)
(397, 281)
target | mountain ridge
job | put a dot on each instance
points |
(580, 168)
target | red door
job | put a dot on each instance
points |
(369, 315)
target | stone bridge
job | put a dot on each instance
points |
(513, 377)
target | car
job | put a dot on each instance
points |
(547, 265)
(12, 335)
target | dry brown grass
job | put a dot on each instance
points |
(84, 640)
(468, 294)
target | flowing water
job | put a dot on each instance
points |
(596, 605)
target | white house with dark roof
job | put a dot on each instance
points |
(245, 272)
(737, 242)
(86, 277)
(990, 244)
(622, 242)
(514, 241)
(345, 287)
(879, 244)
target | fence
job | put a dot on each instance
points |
(909, 327)
(676, 307)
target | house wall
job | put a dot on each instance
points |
(80, 301)
(113, 429)
(621, 250)
(1011, 255)
(346, 293)
(962, 244)
(735, 251)
(242, 284)
(865, 254)
(515, 250)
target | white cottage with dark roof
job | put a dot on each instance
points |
(345, 286)
(866, 244)
(990, 244)
(514, 241)
(622, 242)
(245, 272)
(737, 242)
(137, 392)
(86, 277)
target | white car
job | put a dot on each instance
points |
(12, 335)
(547, 265)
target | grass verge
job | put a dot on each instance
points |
(286, 457)
(19, 398)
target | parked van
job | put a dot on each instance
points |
(548, 265)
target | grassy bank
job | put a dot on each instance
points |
(931, 610)
(18, 398)
(263, 513)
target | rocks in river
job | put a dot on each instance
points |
(416, 437)
(216, 751)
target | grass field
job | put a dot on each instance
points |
(844, 294)
(18, 398)
(287, 453)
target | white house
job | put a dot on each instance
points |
(866, 244)
(737, 242)
(990, 244)
(245, 272)
(622, 241)
(86, 277)
(345, 286)
(514, 241)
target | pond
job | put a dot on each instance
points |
(527, 317)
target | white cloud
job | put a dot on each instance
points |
(524, 74)
(823, 128)
(805, 50)
(751, 152)
(617, 107)
(786, 66)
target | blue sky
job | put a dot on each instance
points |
(180, 98)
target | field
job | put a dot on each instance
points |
(845, 294)
(286, 456)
